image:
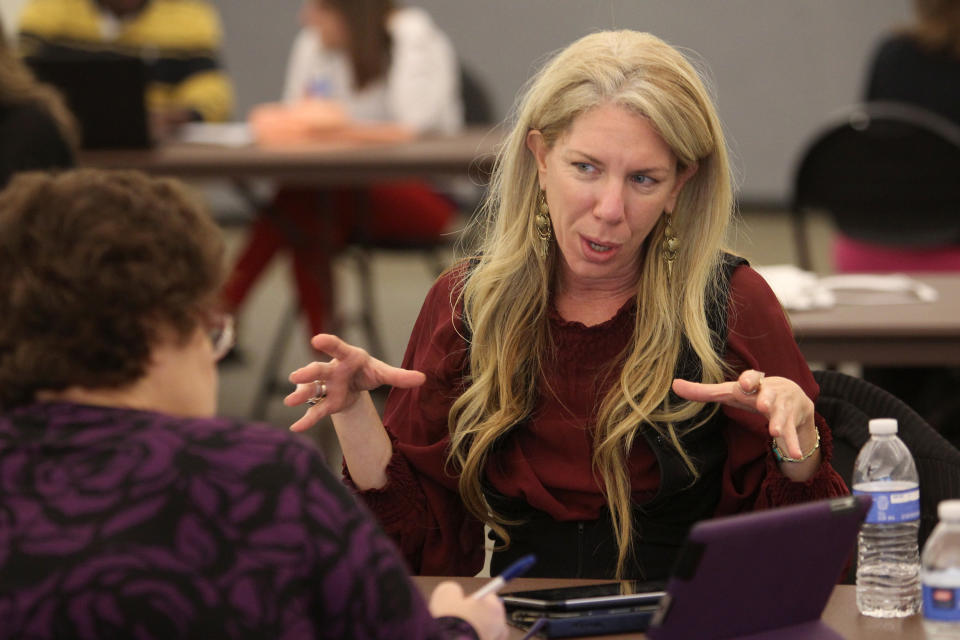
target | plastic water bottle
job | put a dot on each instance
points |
(888, 562)
(941, 575)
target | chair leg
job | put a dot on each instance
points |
(368, 314)
(270, 384)
(435, 260)
(800, 240)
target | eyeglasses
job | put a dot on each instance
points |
(222, 335)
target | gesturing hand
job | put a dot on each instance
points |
(350, 372)
(787, 408)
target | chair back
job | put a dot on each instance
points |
(476, 100)
(887, 173)
(848, 403)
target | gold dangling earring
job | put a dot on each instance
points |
(671, 243)
(542, 223)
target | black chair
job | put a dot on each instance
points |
(476, 111)
(848, 403)
(886, 173)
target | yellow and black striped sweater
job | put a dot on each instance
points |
(178, 39)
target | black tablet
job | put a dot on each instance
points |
(584, 622)
(592, 596)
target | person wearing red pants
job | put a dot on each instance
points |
(382, 63)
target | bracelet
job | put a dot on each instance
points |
(782, 457)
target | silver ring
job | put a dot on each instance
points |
(320, 393)
(756, 389)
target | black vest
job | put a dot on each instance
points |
(587, 549)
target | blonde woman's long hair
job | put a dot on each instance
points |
(506, 296)
(18, 86)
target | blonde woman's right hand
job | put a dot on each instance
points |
(486, 615)
(350, 372)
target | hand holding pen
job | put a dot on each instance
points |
(482, 609)
(516, 569)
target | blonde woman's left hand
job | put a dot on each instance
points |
(788, 410)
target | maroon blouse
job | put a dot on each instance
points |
(548, 462)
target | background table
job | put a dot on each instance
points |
(908, 334)
(888, 334)
(841, 611)
(321, 164)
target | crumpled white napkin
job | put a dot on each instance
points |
(797, 290)
(800, 290)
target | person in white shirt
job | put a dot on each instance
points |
(405, 72)
(382, 63)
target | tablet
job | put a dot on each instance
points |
(591, 596)
(766, 574)
(586, 622)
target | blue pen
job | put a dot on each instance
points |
(516, 569)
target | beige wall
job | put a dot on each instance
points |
(781, 66)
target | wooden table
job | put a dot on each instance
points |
(841, 611)
(893, 334)
(321, 164)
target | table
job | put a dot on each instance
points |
(913, 334)
(841, 611)
(921, 334)
(322, 164)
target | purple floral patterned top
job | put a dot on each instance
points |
(124, 523)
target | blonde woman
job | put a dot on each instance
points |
(601, 375)
(36, 129)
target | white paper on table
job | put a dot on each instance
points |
(878, 288)
(797, 290)
(800, 290)
(221, 134)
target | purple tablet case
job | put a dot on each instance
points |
(761, 575)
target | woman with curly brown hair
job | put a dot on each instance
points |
(126, 508)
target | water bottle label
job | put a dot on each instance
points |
(892, 506)
(941, 603)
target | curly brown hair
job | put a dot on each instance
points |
(95, 268)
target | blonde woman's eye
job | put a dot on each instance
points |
(642, 179)
(583, 167)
